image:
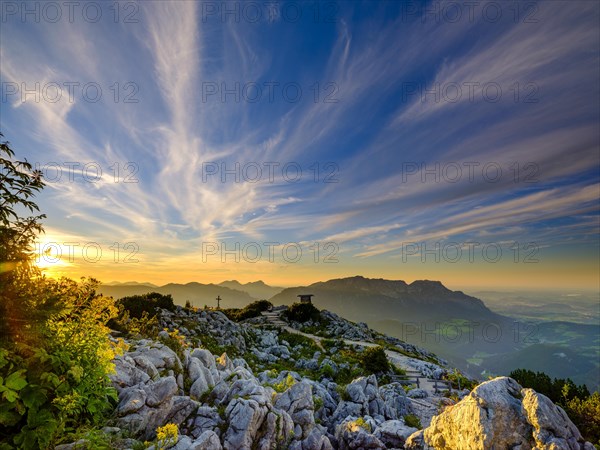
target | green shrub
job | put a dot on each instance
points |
(249, 311)
(556, 390)
(412, 421)
(61, 385)
(374, 360)
(25, 305)
(145, 326)
(318, 402)
(302, 312)
(55, 355)
(586, 415)
(398, 370)
(459, 381)
(327, 372)
(284, 384)
(176, 342)
(341, 390)
(136, 305)
(360, 422)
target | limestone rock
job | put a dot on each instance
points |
(208, 440)
(490, 415)
(244, 417)
(552, 428)
(316, 440)
(130, 400)
(417, 393)
(126, 373)
(297, 401)
(501, 414)
(394, 433)
(161, 390)
(353, 435)
(395, 401)
(206, 419)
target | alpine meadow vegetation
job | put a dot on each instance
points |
(55, 350)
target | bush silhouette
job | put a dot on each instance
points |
(302, 312)
(138, 304)
(251, 310)
(374, 360)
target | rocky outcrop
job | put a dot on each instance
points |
(552, 428)
(500, 414)
(394, 433)
(335, 327)
(353, 433)
(205, 323)
(220, 403)
(253, 415)
(316, 440)
(297, 401)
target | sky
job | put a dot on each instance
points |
(295, 142)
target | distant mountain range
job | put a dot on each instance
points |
(257, 289)
(233, 293)
(129, 283)
(197, 293)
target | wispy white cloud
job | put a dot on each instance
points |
(530, 208)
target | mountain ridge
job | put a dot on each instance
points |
(420, 294)
(257, 289)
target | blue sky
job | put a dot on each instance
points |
(371, 93)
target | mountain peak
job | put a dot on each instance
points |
(429, 286)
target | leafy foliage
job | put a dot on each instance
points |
(459, 381)
(137, 305)
(52, 389)
(145, 326)
(585, 413)
(284, 384)
(581, 407)
(343, 392)
(302, 312)
(327, 372)
(318, 402)
(175, 342)
(55, 354)
(252, 310)
(412, 421)
(374, 360)
(23, 306)
(360, 422)
(556, 390)
(166, 436)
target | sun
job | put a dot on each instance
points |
(50, 257)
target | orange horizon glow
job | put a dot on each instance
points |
(476, 279)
